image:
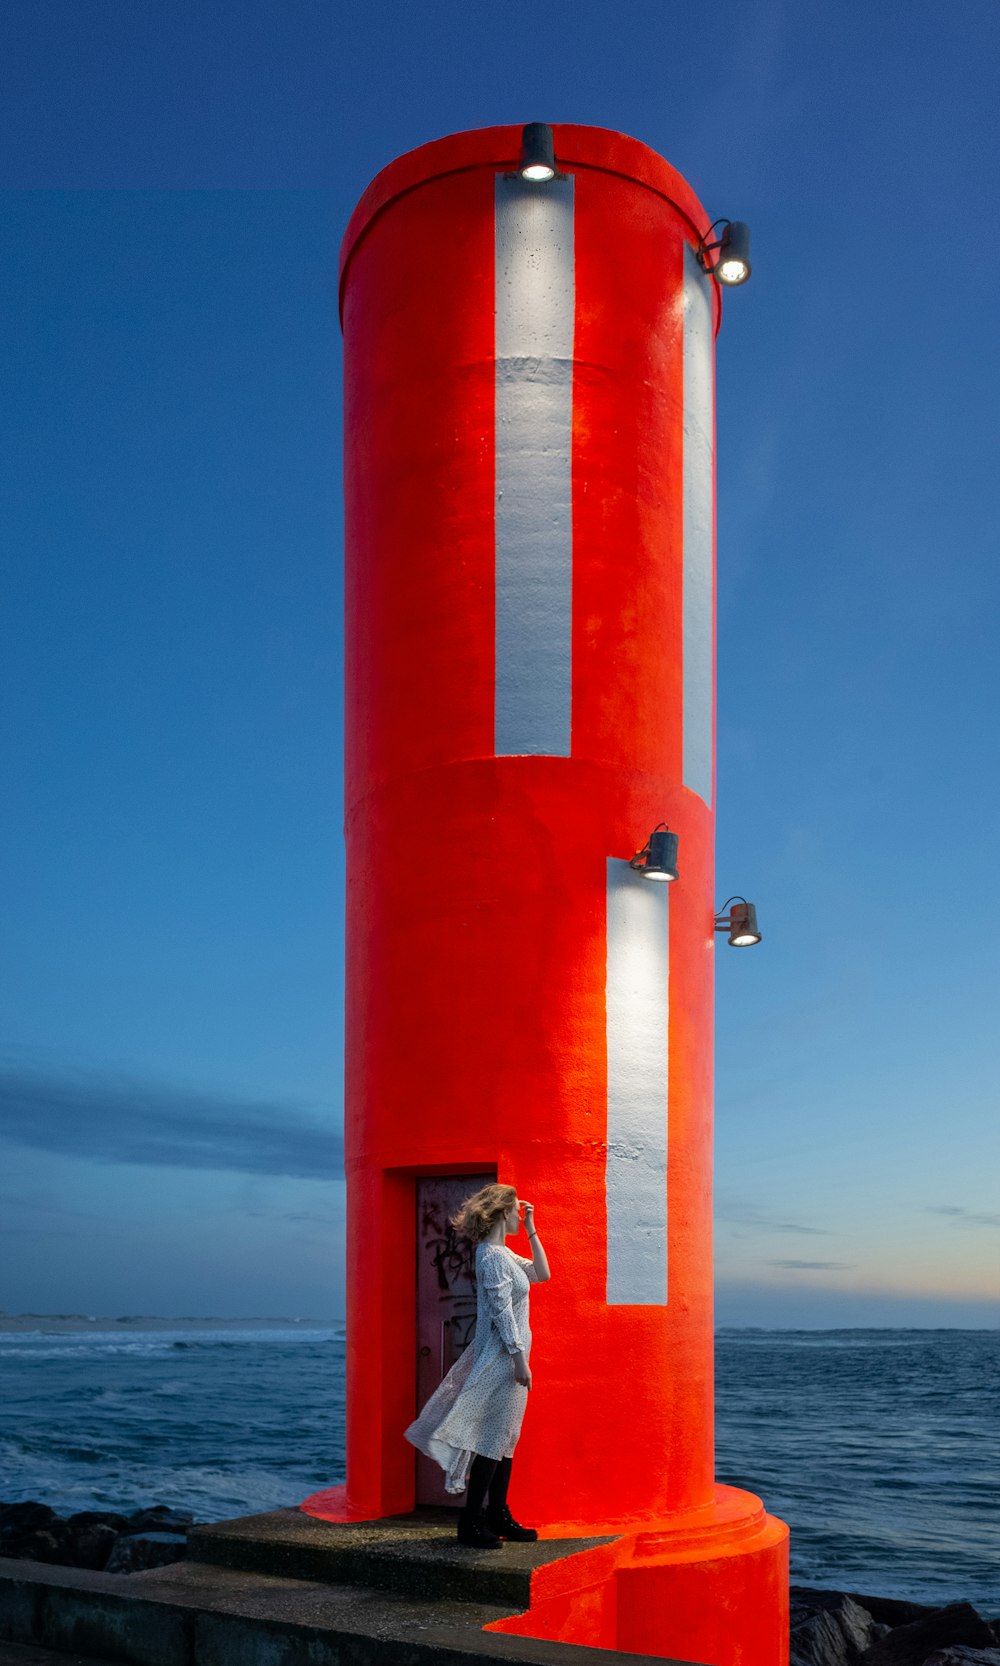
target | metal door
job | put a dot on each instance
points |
(446, 1301)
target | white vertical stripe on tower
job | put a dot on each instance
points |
(638, 979)
(698, 528)
(534, 430)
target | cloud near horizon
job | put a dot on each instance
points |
(111, 1119)
(816, 1266)
(764, 1223)
(961, 1216)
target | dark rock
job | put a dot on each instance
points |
(834, 1634)
(89, 1538)
(893, 1611)
(43, 1545)
(805, 1600)
(134, 1552)
(942, 1628)
(103, 1518)
(91, 1545)
(890, 1611)
(22, 1518)
(961, 1656)
(159, 1518)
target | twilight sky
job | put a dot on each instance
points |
(175, 180)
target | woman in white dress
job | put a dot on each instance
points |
(471, 1422)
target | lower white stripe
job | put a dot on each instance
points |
(638, 977)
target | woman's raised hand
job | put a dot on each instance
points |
(529, 1215)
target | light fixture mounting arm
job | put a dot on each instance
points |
(721, 917)
(638, 861)
(740, 922)
(705, 247)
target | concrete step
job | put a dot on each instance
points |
(415, 1555)
(199, 1614)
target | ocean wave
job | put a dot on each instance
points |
(82, 1350)
(222, 1344)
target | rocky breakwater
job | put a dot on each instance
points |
(103, 1540)
(841, 1628)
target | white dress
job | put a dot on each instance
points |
(478, 1406)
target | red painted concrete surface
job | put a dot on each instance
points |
(476, 890)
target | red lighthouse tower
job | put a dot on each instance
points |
(529, 413)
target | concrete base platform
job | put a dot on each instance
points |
(706, 1584)
(415, 1555)
(27, 1654)
(285, 1590)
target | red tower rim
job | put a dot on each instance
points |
(600, 148)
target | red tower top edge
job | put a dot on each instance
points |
(600, 148)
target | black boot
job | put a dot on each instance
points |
(472, 1529)
(498, 1517)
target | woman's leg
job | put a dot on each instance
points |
(472, 1529)
(480, 1476)
(498, 1516)
(499, 1485)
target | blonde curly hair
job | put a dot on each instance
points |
(483, 1209)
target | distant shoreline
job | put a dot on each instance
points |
(69, 1323)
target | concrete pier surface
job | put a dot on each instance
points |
(284, 1589)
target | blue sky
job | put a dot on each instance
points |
(175, 182)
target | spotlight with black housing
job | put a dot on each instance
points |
(740, 922)
(658, 857)
(732, 263)
(538, 157)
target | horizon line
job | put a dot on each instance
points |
(284, 1319)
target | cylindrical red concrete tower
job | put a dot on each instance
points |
(530, 691)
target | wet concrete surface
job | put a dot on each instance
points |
(412, 1555)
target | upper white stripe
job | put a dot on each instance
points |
(698, 527)
(534, 429)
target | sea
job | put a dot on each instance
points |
(880, 1448)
